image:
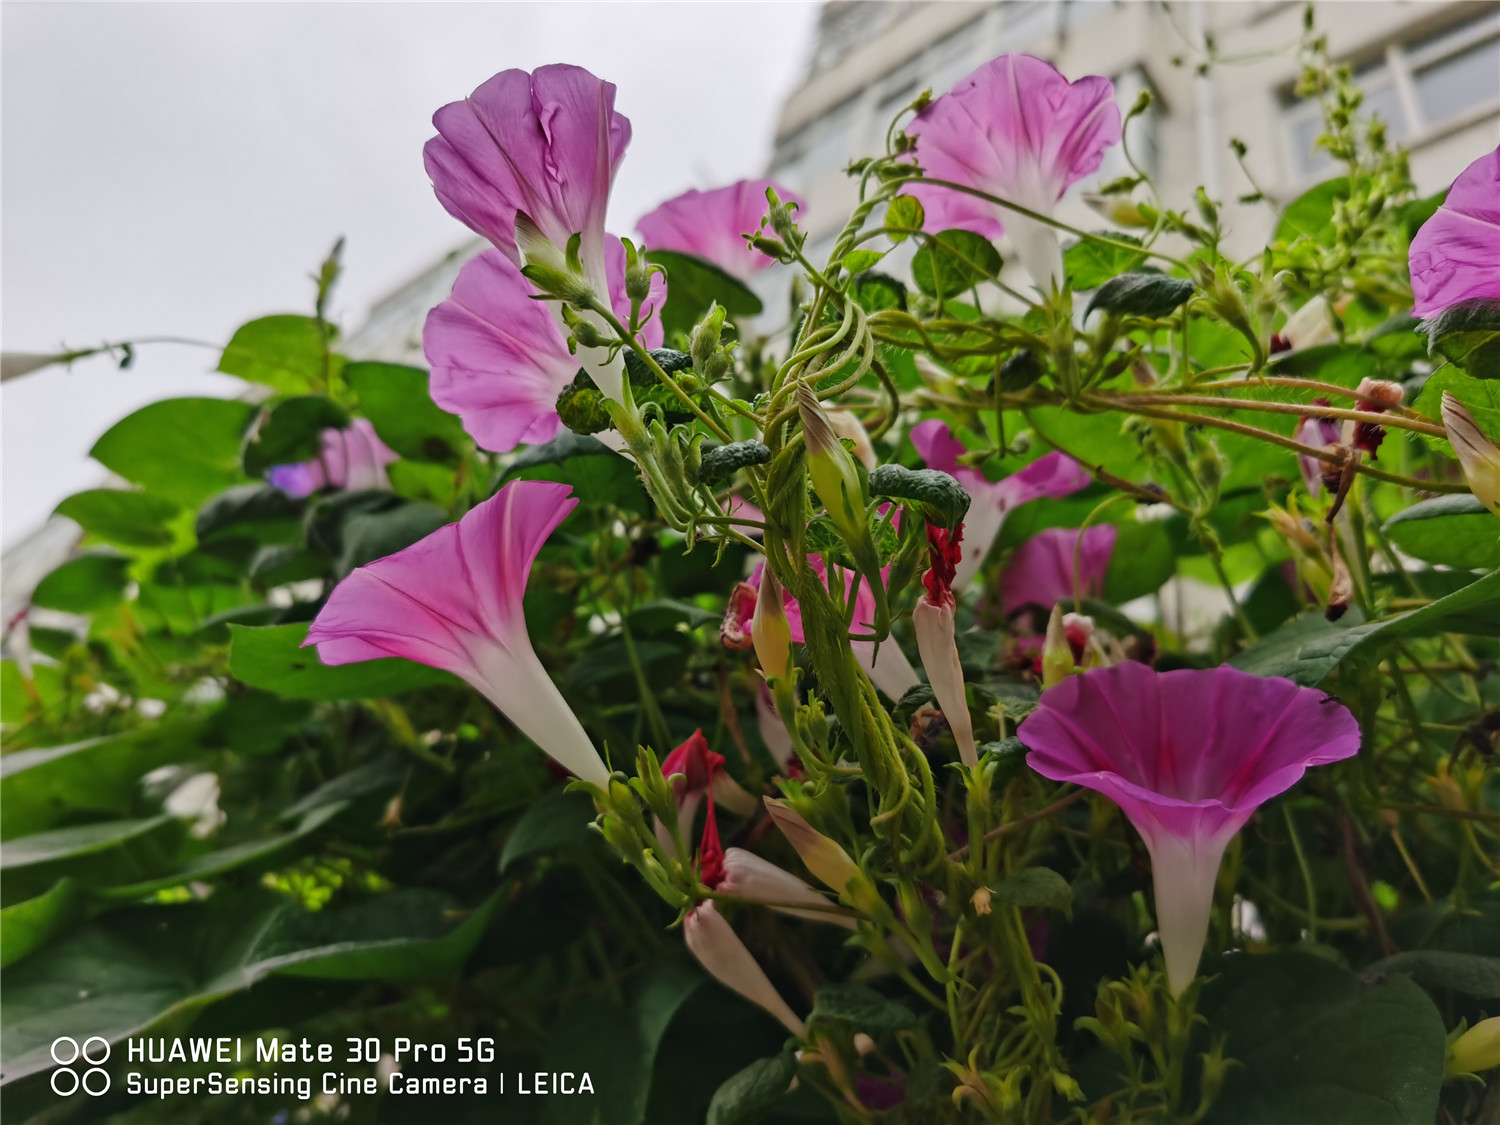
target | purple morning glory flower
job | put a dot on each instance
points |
(1456, 255)
(1019, 130)
(1040, 572)
(1188, 756)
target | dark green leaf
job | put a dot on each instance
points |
(396, 401)
(874, 291)
(1313, 1044)
(559, 819)
(693, 284)
(272, 658)
(292, 432)
(953, 261)
(744, 1098)
(39, 788)
(1141, 294)
(104, 854)
(285, 352)
(127, 519)
(367, 536)
(91, 582)
(564, 447)
(863, 1007)
(185, 449)
(1413, 215)
(1142, 559)
(1035, 886)
(1469, 973)
(1309, 647)
(250, 511)
(1454, 530)
(1480, 396)
(1468, 336)
(1310, 215)
(146, 967)
(29, 925)
(1090, 264)
(666, 615)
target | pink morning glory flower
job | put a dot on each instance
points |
(1018, 130)
(498, 357)
(889, 670)
(547, 144)
(1456, 255)
(709, 225)
(1188, 756)
(1318, 433)
(353, 458)
(1040, 572)
(1053, 475)
(453, 601)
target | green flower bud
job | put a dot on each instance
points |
(831, 467)
(705, 338)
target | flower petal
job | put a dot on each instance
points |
(709, 225)
(1455, 256)
(1041, 570)
(719, 950)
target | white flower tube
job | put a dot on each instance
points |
(939, 652)
(719, 950)
(747, 875)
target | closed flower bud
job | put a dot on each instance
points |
(769, 631)
(1376, 396)
(1118, 209)
(1476, 1050)
(834, 477)
(719, 950)
(1057, 652)
(705, 339)
(1478, 456)
(824, 858)
(637, 274)
(848, 427)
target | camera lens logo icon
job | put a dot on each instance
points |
(94, 1053)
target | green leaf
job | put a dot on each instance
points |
(1310, 215)
(863, 1007)
(1309, 647)
(38, 788)
(367, 536)
(1413, 215)
(1468, 336)
(271, 658)
(1141, 294)
(121, 517)
(1453, 530)
(1143, 559)
(1469, 973)
(396, 401)
(157, 966)
(858, 260)
(1314, 1044)
(874, 291)
(599, 476)
(559, 819)
(250, 511)
(1035, 886)
(29, 925)
(667, 615)
(104, 854)
(293, 431)
(904, 211)
(91, 582)
(953, 261)
(1090, 264)
(604, 670)
(285, 352)
(693, 284)
(185, 449)
(747, 1095)
(1480, 396)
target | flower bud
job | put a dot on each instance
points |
(734, 631)
(781, 219)
(1476, 1049)
(936, 644)
(769, 631)
(547, 266)
(770, 247)
(1376, 396)
(718, 949)
(824, 858)
(834, 477)
(705, 338)
(1118, 209)
(1057, 653)
(637, 274)
(1478, 456)
(980, 901)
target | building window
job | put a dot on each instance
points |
(1415, 89)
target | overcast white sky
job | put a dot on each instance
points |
(181, 168)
